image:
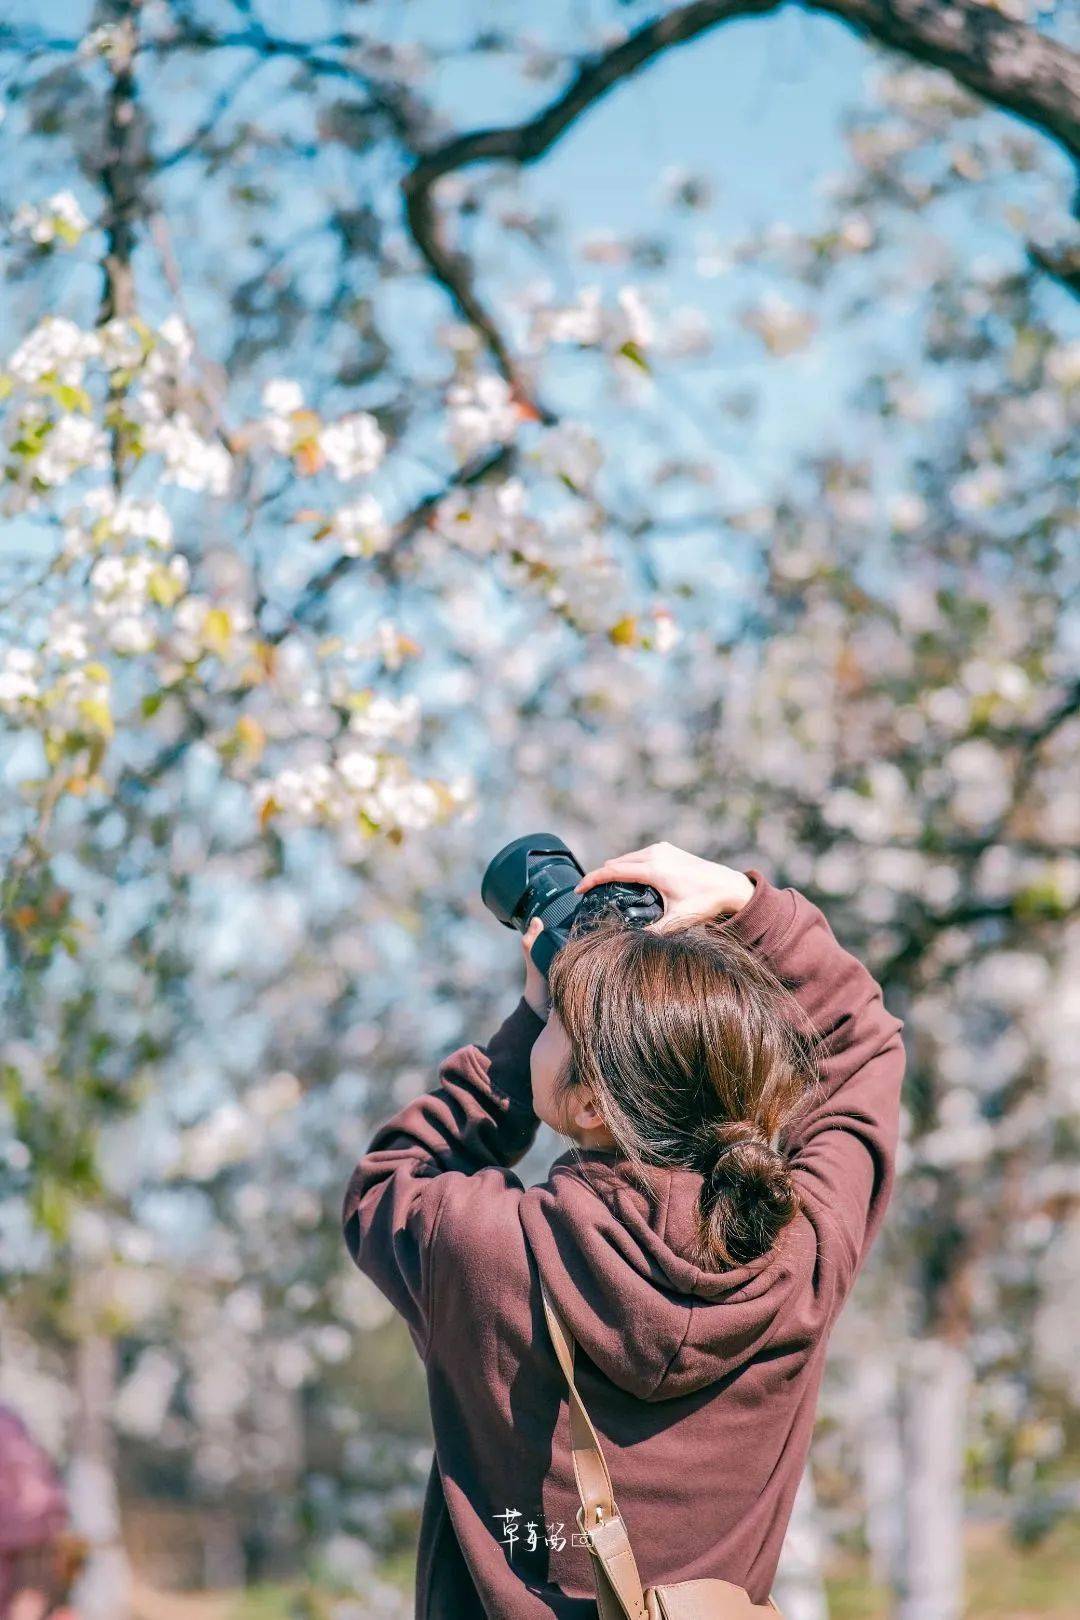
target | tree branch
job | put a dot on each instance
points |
(1007, 63)
(523, 144)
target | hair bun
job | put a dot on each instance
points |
(748, 1195)
(724, 1134)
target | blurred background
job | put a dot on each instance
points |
(693, 459)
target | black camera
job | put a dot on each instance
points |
(535, 877)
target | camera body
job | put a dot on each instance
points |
(535, 876)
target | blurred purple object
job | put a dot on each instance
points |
(33, 1503)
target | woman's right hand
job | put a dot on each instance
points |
(693, 889)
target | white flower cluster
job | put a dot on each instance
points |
(919, 90)
(108, 40)
(123, 592)
(1063, 365)
(191, 462)
(58, 219)
(103, 518)
(488, 518)
(130, 581)
(357, 790)
(352, 447)
(52, 434)
(569, 452)
(385, 719)
(781, 325)
(56, 346)
(480, 413)
(76, 702)
(282, 399)
(200, 626)
(360, 528)
(590, 324)
(980, 490)
(56, 448)
(18, 680)
(355, 785)
(667, 632)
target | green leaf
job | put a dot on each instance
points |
(631, 352)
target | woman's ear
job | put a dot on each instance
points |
(583, 1114)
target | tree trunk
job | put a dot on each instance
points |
(799, 1588)
(934, 1411)
(104, 1589)
(224, 1566)
(881, 1466)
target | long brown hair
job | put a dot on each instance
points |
(695, 1055)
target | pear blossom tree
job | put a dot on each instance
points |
(318, 555)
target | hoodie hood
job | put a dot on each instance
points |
(615, 1259)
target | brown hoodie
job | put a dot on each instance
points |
(702, 1386)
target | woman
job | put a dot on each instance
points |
(730, 1079)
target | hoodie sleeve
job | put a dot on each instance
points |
(479, 1115)
(842, 1146)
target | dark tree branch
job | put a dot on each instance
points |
(523, 144)
(1009, 64)
(123, 171)
(384, 563)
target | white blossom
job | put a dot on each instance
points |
(353, 446)
(191, 461)
(569, 451)
(68, 638)
(18, 679)
(387, 719)
(666, 631)
(979, 490)
(358, 769)
(856, 233)
(487, 518)
(282, 399)
(401, 800)
(176, 336)
(907, 512)
(55, 346)
(74, 444)
(481, 412)
(588, 323)
(59, 217)
(281, 396)
(120, 345)
(1063, 365)
(361, 528)
(225, 1137)
(781, 326)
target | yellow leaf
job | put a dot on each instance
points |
(308, 457)
(250, 736)
(164, 587)
(216, 631)
(624, 632)
(95, 711)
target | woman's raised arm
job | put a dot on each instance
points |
(842, 1145)
(479, 1116)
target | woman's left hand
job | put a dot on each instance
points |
(536, 990)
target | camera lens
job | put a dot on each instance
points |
(535, 876)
